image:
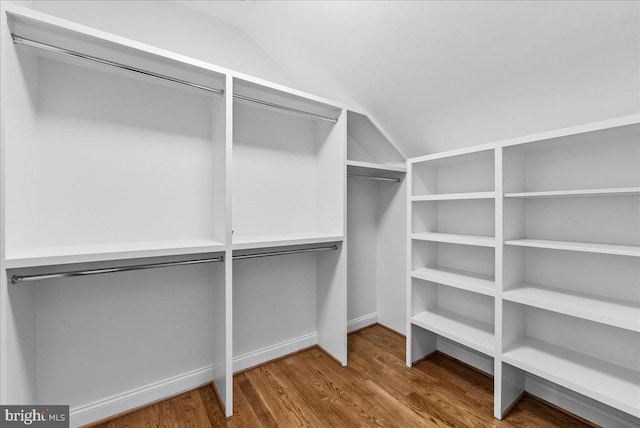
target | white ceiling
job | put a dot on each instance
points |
(445, 74)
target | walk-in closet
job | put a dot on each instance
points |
(390, 213)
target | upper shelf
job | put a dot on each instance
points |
(620, 191)
(268, 241)
(459, 176)
(587, 247)
(50, 256)
(370, 167)
(261, 96)
(390, 172)
(367, 143)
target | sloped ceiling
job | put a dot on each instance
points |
(440, 75)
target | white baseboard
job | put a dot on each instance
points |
(250, 359)
(578, 404)
(140, 396)
(361, 322)
(573, 402)
(466, 355)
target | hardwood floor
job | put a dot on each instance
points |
(376, 389)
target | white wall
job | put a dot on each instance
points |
(170, 26)
(440, 75)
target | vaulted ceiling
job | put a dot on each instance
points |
(444, 74)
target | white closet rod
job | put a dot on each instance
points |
(39, 45)
(375, 177)
(16, 279)
(282, 253)
(47, 47)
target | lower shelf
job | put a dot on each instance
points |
(616, 386)
(469, 332)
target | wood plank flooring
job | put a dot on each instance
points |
(376, 390)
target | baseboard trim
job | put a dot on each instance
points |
(143, 396)
(465, 355)
(257, 357)
(362, 322)
(584, 407)
(139, 397)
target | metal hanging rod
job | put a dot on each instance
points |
(282, 253)
(373, 177)
(44, 46)
(281, 107)
(47, 47)
(17, 279)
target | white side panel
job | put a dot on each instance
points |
(21, 345)
(332, 303)
(330, 190)
(362, 238)
(392, 255)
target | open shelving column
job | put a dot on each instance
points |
(288, 194)
(451, 247)
(570, 292)
(102, 168)
(376, 171)
(565, 291)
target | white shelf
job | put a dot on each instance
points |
(454, 196)
(370, 167)
(470, 281)
(450, 238)
(586, 247)
(267, 241)
(620, 191)
(613, 385)
(48, 256)
(614, 312)
(469, 332)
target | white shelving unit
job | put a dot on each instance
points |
(451, 249)
(376, 205)
(567, 270)
(105, 167)
(81, 191)
(288, 194)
